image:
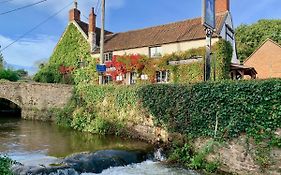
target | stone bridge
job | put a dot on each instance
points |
(36, 100)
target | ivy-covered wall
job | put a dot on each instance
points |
(191, 72)
(221, 110)
(70, 50)
(73, 47)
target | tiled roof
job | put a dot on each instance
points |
(187, 30)
(84, 26)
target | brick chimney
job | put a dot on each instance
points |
(92, 29)
(74, 14)
(222, 6)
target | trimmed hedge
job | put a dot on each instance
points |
(252, 107)
(241, 106)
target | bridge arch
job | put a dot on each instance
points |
(8, 108)
(36, 100)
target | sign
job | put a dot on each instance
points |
(144, 77)
(209, 17)
(101, 68)
(119, 78)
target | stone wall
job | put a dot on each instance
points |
(238, 156)
(35, 99)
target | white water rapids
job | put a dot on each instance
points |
(145, 168)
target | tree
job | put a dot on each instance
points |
(250, 37)
(1, 61)
(9, 75)
(22, 73)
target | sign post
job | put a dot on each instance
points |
(209, 22)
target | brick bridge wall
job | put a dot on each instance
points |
(36, 100)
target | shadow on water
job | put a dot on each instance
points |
(21, 136)
(8, 109)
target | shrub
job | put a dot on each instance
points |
(239, 107)
(9, 75)
(5, 164)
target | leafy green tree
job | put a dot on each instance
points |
(250, 37)
(9, 75)
(22, 73)
(1, 61)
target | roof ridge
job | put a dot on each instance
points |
(263, 43)
(274, 42)
(171, 23)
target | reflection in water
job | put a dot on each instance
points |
(36, 143)
(20, 136)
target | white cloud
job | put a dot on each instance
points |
(84, 6)
(27, 51)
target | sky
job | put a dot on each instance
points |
(121, 15)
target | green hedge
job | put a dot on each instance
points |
(235, 107)
(239, 107)
(252, 107)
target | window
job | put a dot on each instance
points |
(229, 34)
(155, 52)
(133, 77)
(107, 56)
(107, 79)
(162, 76)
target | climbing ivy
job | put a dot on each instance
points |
(192, 72)
(70, 50)
(246, 106)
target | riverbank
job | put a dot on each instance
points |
(227, 112)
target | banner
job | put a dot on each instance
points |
(209, 17)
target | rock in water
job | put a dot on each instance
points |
(84, 162)
(100, 160)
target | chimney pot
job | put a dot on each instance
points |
(74, 15)
(92, 30)
(92, 21)
(222, 6)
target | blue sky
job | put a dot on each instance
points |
(122, 15)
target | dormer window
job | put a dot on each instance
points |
(107, 56)
(155, 52)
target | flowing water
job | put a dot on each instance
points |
(42, 143)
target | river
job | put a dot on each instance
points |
(42, 143)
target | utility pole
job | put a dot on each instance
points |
(102, 37)
(75, 4)
(207, 74)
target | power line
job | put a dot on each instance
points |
(5, 1)
(35, 27)
(23, 7)
(98, 6)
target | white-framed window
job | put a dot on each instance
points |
(155, 52)
(107, 56)
(133, 77)
(162, 76)
(107, 79)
